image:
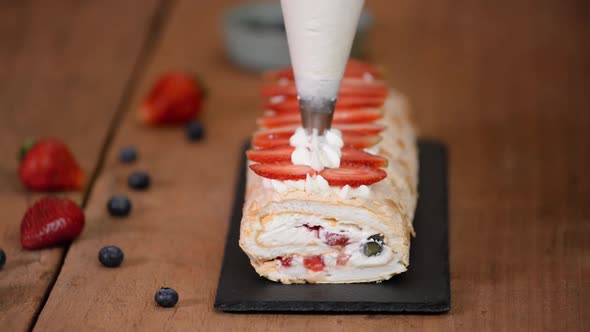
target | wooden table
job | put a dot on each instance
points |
(505, 83)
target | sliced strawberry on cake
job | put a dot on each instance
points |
(282, 154)
(353, 175)
(345, 129)
(365, 115)
(285, 171)
(347, 174)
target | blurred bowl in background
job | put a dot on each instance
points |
(255, 39)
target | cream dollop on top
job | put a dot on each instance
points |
(317, 151)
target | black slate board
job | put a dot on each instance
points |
(424, 288)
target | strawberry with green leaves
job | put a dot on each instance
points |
(48, 165)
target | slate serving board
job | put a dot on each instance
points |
(424, 288)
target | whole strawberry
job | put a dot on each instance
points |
(48, 164)
(176, 98)
(51, 221)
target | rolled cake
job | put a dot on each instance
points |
(339, 225)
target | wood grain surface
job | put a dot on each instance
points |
(504, 83)
(63, 72)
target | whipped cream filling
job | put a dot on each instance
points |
(335, 273)
(316, 184)
(292, 235)
(289, 233)
(317, 151)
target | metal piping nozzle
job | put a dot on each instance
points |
(316, 113)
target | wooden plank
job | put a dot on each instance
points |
(65, 66)
(503, 83)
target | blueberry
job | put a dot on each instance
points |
(166, 297)
(372, 248)
(128, 154)
(138, 180)
(194, 131)
(119, 206)
(374, 245)
(2, 258)
(111, 256)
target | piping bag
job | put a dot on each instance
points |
(320, 35)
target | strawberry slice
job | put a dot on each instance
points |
(359, 157)
(282, 154)
(350, 141)
(353, 175)
(346, 129)
(349, 87)
(336, 240)
(342, 259)
(48, 164)
(354, 69)
(314, 263)
(51, 221)
(286, 261)
(291, 104)
(365, 115)
(347, 174)
(176, 98)
(282, 171)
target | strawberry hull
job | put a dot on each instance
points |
(282, 154)
(285, 171)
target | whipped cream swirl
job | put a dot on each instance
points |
(317, 151)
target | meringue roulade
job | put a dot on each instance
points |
(338, 209)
